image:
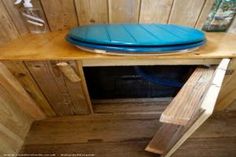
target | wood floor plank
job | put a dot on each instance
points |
(103, 149)
(97, 128)
(209, 141)
(207, 147)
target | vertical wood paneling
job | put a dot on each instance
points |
(123, 11)
(10, 143)
(155, 11)
(18, 93)
(19, 70)
(60, 14)
(186, 12)
(64, 96)
(8, 30)
(14, 122)
(204, 14)
(92, 11)
(12, 116)
(14, 13)
(37, 4)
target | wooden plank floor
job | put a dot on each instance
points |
(126, 136)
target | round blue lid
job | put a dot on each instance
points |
(137, 34)
(137, 49)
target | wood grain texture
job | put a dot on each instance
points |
(18, 93)
(65, 97)
(68, 72)
(10, 143)
(12, 116)
(187, 102)
(186, 12)
(160, 141)
(52, 46)
(14, 13)
(37, 4)
(167, 136)
(153, 11)
(92, 11)
(101, 128)
(21, 73)
(207, 106)
(204, 13)
(216, 138)
(170, 137)
(145, 105)
(14, 123)
(100, 149)
(208, 147)
(228, 92)
(60, 14)
(124, 11)
(8, 30)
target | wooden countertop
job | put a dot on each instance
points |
(52, 46)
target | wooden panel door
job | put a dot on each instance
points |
(192, 106)
(63, 84)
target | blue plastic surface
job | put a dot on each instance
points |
(136, 49)
(137, 34)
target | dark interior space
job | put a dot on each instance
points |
(136, 81)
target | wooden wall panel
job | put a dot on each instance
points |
(10, 143)
(186, 12)
(92, 11)
(18, 93)
(8, 30)
(14, 13)
(65, 97)
(204, 13)
(19, 70)
(60, 14)
(14, 123)
(37, 4)
(123, 11)
(12, 116)
(155, 11)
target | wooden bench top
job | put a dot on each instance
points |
(52, 46)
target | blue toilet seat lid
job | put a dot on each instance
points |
(137, 34)
(136, 49)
